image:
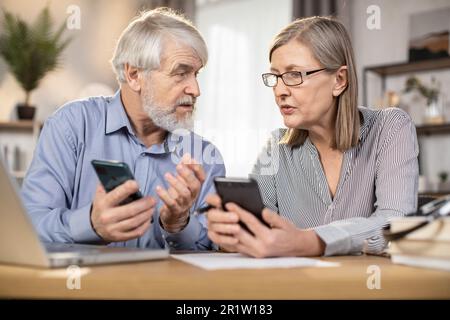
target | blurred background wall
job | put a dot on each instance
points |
(235, 110)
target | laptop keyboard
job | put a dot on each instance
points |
(72, 247)
(85, 248)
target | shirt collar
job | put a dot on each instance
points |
(169, 145)
(366, 117)
(175, 142)
(116, 117)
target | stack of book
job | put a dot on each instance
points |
(427, 247)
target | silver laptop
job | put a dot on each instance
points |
(20, 244)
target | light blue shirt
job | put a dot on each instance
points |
(60, 184)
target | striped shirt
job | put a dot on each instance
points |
(378, 180)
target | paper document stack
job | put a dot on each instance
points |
(427, 247)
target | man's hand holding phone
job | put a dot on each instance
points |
(119, 211)
(115, 222)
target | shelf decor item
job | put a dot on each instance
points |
(444, 183)
(433, 111)
(429, 35)
(31, 51)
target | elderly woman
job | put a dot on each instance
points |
(335, 177)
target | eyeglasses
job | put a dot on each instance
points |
(290, 78)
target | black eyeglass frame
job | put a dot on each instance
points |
(302, 74)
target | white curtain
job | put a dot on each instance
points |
(235, 110)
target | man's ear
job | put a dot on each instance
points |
(341, 81)
(132, 77)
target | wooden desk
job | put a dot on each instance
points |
(173, 279)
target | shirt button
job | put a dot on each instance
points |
(171, 243)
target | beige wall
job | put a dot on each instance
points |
(390, 45)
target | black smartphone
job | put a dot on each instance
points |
(112, 174)
(244, 192)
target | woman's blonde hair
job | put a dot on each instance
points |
(330, 44)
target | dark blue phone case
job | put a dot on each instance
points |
(112, 174)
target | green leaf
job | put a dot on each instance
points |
(31, 50)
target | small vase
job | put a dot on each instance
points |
(433, 113)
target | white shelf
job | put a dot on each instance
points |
(22, 125)
(17, 142)
(18, 174)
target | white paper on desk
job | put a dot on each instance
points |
(216, 261)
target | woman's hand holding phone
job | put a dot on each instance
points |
(223, 227)
(258, 233)
(114, 222)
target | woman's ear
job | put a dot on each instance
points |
(341, 81)
(132, 77)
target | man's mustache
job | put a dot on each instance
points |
(186, 100)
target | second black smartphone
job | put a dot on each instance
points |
(244, 192)
(112, 174)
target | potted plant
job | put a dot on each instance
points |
(31, 51)
(444, 184)
(433, 114)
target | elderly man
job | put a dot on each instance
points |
(157, 59)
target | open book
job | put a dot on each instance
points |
(428, 246)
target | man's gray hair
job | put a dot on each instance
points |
(141, 43)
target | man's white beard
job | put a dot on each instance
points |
(166, 117)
